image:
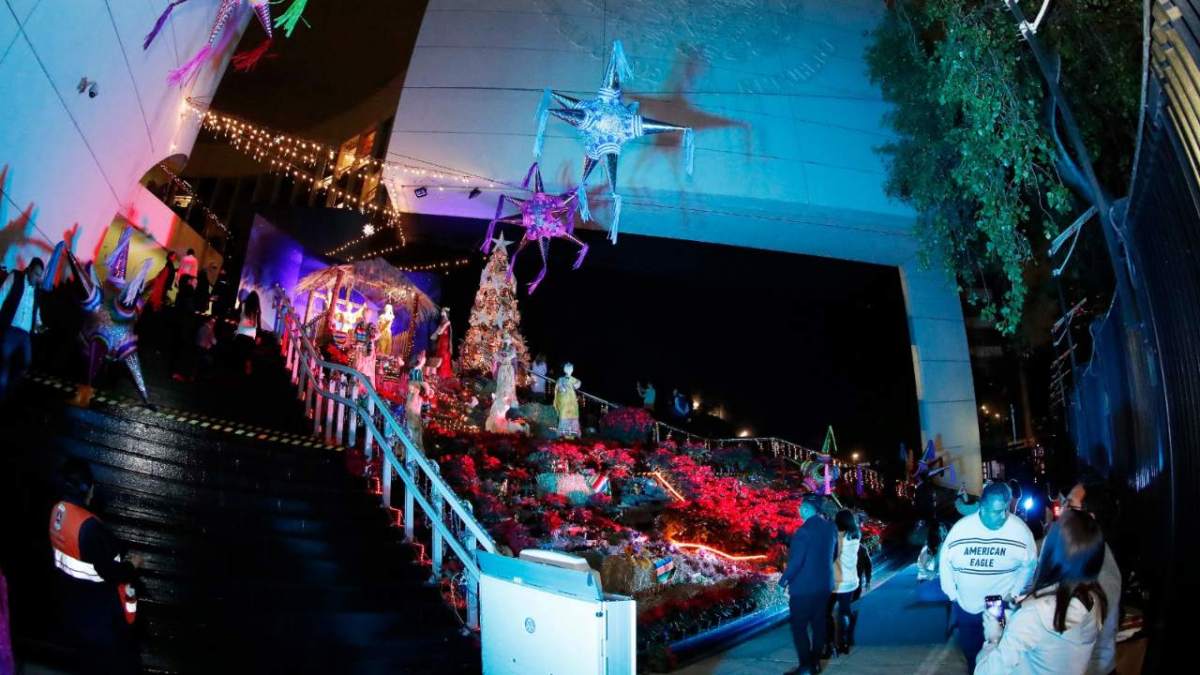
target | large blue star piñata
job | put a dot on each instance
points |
(605, 124)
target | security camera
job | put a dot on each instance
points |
(93, 92)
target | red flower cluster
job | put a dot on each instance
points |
(627, 425)
(699, 602)
(725, 510)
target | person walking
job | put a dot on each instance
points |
(20, 316)
(808, 579)
(1055, 629)
(991, 552)
(188, 267)
(247, 330)
(163, 282)
(95, 578)
(1092, 497)
(845, 581)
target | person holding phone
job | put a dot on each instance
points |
(1056, 627)
(991, 552)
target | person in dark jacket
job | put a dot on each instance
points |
(19, 318)
(808, 579)
(95, 579)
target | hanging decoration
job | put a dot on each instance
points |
(286, 154)
(219, 35)
(605, 124)
(186, 188)
(293, 15)
(162, 21)
(286, 148)
(544, 216)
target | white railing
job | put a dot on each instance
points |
(341, 400)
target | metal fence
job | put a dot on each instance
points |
(1135, 411)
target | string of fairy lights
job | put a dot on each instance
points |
(440, 266)
(187, 189)
(306, 161)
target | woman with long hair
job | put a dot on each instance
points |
(927, 561)
(1054, 628)
(247, 330)
(845, 580)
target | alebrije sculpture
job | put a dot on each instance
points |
(605, 124)
(110, 311)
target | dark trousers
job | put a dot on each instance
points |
(13, 343)
(838, 619)
(970, 634)
(808, 613)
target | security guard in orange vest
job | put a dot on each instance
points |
(95, 581)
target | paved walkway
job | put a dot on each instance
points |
(895, 636)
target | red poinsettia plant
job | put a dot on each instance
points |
(627, 425)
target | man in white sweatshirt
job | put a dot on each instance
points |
(990, 552)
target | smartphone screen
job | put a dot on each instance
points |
(995, 606)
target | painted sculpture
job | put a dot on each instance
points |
(544, 216)
(605, 124)
(110, 311)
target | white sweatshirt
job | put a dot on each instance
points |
(845, 565)
(1031, 646)
(976, 562)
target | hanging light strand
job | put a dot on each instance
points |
(294, 157)
(186, 188)
(311, 153)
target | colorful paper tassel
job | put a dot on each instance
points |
(582, 198)
(616, 222)
(187, 71)
(247, 60)
(542, 116)
(292, 16)
(620, 63)
(162, 21)
(689, 148)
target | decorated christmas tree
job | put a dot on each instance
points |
(494, 314)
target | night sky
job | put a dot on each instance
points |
(788, 344)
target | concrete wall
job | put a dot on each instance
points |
(75, 160)
(786, 123)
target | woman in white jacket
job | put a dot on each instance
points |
(845, 581)
(1056, 627)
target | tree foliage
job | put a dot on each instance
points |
(972, 153)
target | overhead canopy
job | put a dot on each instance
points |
(374, 279)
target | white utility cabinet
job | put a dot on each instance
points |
(545, 614)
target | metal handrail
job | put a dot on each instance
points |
(333, 389)
(778, 447)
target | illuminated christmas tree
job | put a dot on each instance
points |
(494, 314)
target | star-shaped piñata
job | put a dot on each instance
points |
(605, 124)
(544, 217)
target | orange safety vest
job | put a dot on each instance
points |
(66, 520)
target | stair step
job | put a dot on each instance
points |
(259, 555)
